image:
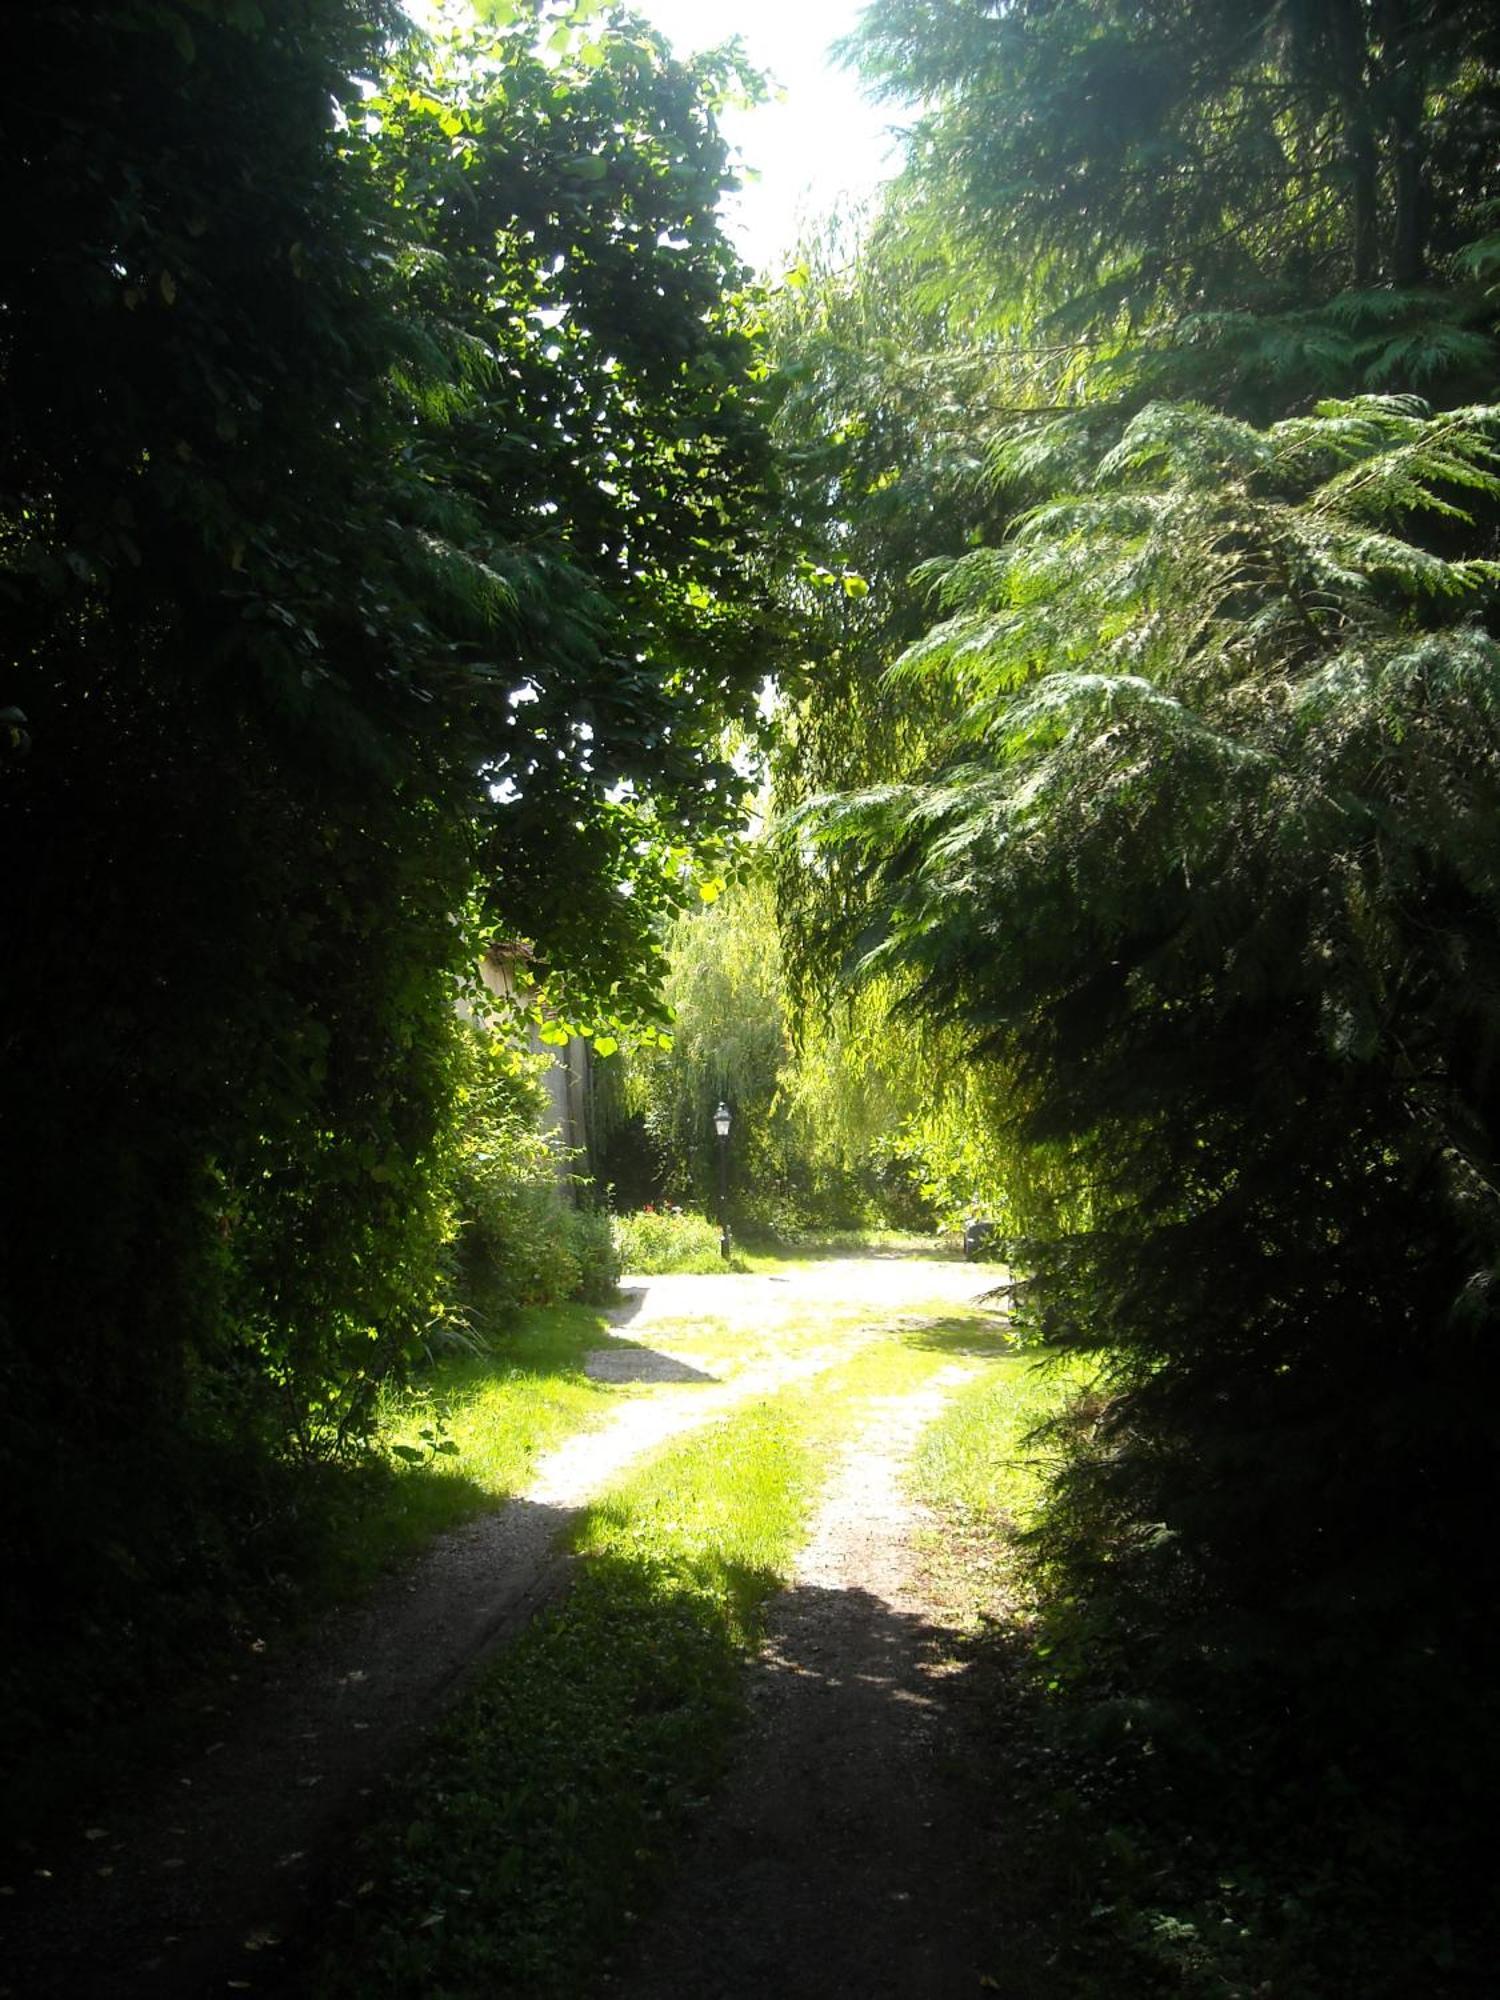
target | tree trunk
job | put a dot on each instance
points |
(1404, 69)
(1361, 156)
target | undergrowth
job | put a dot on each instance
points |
(655, 1240)
(1155, 1847)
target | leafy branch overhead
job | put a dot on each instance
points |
(587, 459)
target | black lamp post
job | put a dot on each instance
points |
(721, 1126)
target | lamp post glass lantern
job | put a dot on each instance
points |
(721, 1126)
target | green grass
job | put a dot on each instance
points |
(724, 1349)
(790, 1247)
(546, 1800)
(719, 1348)
(981, 1473)
(490, 1416)
(976, 1461)
(551, 1797)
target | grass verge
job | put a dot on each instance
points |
(517, 1852)
(981, 1472)
(465, 1435)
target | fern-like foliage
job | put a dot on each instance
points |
(1209, 867)
(1228, 636)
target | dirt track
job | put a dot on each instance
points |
(851, 1852)
(194, 1888)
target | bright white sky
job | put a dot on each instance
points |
(817, 143)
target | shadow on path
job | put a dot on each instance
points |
(628, 1361)
(856, 1848)
(214, 1865)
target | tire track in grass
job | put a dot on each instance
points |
(204, 1879)
(845, 1855)
(549, 1804)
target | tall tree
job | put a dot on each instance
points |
(1266, 192)
(374, 419)
(1193, 850)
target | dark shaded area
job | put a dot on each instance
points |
(859, 1843)
(275, 551)
(628, 1361)
(627, 1161)
(207, 1871)
(310, 1543)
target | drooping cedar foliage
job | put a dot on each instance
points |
(1211, 867)
(1195, 846)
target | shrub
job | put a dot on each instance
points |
(667, 1239)
(520, 1241)
(592, 1241)
(518, 1252)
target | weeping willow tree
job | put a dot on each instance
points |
(831, 1124)
(891, 388)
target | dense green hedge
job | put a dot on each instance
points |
(373, 416)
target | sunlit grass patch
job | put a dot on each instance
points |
(548, 1798)
(980, 1458)
(726, 1349)
(731, 1501)
(982, 1470)
(964, 1332)
(465, 1435)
